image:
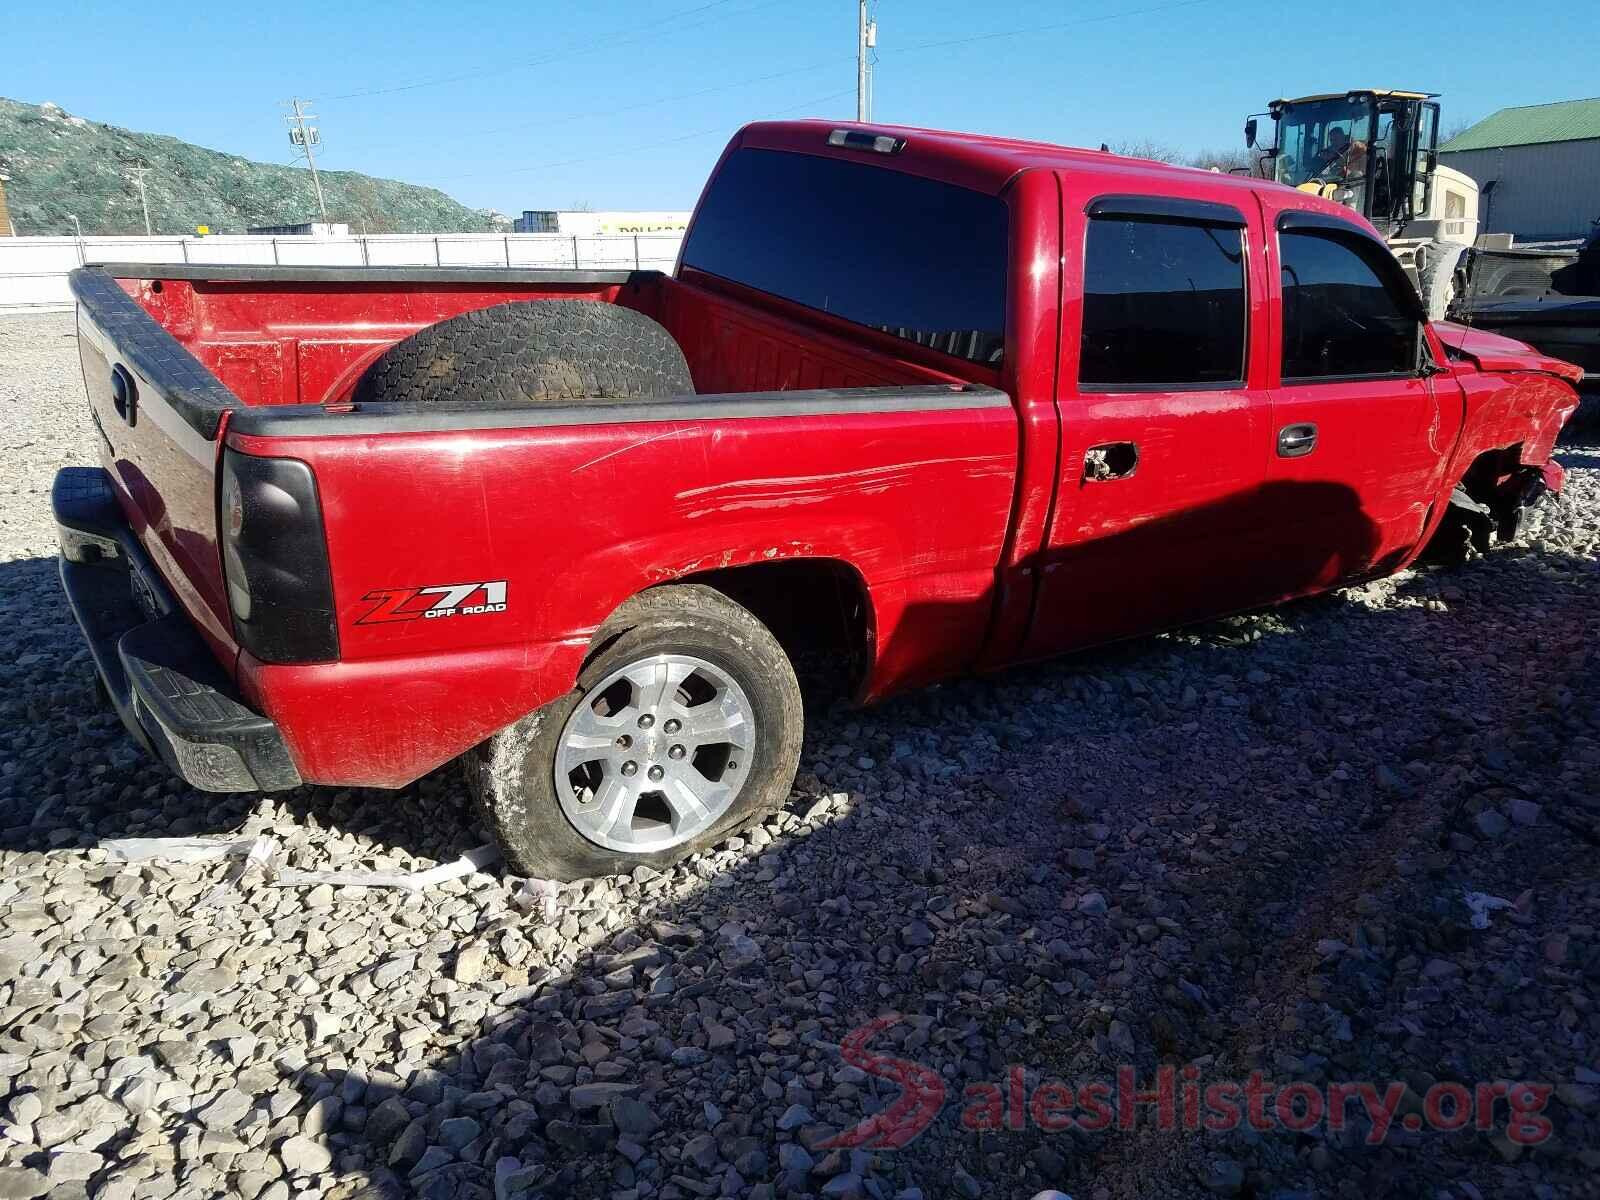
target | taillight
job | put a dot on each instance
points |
(275, 559)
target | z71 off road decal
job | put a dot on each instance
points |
(426, 603)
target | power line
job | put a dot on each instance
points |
(1052, 27)
(640, 34)
(914, 48)
(591, 115)
(639, 149)
(588, 115)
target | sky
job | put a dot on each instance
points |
(625, 104)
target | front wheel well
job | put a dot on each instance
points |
(1487, 502)
(1486, 478)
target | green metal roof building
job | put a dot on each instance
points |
(1538, 168)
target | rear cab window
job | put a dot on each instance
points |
(919, 259)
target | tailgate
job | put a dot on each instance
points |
(159, 414)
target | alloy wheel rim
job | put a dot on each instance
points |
(655, 753)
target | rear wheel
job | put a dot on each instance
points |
(685, 726)
(1439, 279)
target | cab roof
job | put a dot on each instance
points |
(973, 160)
(1381, 93)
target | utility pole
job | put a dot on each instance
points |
(307, 137)
(144, 201)
(861, 60)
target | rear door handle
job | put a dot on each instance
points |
(1112, 460)
(1296, 441)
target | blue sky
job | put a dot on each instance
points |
(625, 104)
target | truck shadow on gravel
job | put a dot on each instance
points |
(1238, 846)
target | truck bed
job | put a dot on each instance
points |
(304, 335)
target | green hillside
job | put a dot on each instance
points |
(60, 164)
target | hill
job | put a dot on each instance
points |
(60, 164)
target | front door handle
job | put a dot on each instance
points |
(1296, 441)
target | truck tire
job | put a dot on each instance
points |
(684, 726)
(1439, 279)
(531, 352)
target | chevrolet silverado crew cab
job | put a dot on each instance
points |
(913, 402)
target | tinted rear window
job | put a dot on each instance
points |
(923, 260)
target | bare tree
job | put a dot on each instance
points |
(1209, 159)
(1148, 148)
(1456, 128)
(1237, 158)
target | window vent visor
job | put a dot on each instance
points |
(1172, 208)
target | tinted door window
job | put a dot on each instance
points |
(923, 260)
(1340, 317)
(1163, 304)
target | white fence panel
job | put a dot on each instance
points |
(30, 256)
(658, 251)
(256, 252)
(471, 252)
(156, 250)
(304, 252)
(33, 271)
(606, 253)
(541, 250)
(400, 251)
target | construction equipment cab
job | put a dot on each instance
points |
(1376, 151)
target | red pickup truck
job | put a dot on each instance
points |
(929, 403)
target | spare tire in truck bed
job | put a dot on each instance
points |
(531, 352)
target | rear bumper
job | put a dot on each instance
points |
(161, 677)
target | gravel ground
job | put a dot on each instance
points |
(1241, 848)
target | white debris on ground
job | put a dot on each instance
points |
(1245, 846)
(469, 863)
